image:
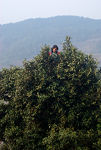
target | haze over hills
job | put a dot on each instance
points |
(24, 39)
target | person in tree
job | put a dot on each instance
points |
(54, 52)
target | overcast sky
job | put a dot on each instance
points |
(17, 10)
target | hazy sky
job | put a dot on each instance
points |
(17, 10)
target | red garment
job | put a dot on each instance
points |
(58, 53)
(50, 53)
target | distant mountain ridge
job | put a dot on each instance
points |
(24, 39)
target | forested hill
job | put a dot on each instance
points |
(23, 39)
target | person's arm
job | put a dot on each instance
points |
(50, 53)
(58, 53)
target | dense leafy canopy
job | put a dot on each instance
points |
(52, 104)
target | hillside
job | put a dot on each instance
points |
(23, 39)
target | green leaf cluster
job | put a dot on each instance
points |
(52, 105)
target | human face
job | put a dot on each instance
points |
(54, 50)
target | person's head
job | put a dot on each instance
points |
(54, 49)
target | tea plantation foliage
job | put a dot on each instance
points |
(52, 105)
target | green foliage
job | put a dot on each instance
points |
(52, 105)
(3, 146)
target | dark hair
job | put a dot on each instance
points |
(54, 46)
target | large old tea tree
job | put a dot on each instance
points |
(52, 105)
